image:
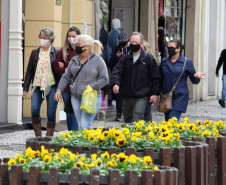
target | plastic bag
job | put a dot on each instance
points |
(89, 100)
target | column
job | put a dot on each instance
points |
(38, 15)
(15, 63)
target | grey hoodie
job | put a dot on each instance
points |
(93, 73)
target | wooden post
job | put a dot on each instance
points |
(16, 175)
(53, 177)
(112, 150)
(50, 146)
(211, 159)
(206, 166)
(160, 177)
(200, 164)
(130, 151)
(4, 174)
(74, 177)
(131, 177)
(194, 138)
(113, 177)
(148, 151)
(179, 163)
(147, 177)
(34, 175)
(171, 176)
(77, 149)
(164, 156)
(221, 160)
(94, 176)
(94, 149)
(190, 165)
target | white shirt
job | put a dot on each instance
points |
(135, 58)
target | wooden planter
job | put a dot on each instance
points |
(195, 163)
(16, 176)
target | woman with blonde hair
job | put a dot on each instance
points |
(87, 68)
(63, 58)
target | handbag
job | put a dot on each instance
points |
(89, 100)
(166, 100)
(68, 106)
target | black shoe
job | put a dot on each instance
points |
(118, 117)
(222, 103)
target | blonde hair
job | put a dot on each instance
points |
(147, 47)
(67, 43)
(95, 45)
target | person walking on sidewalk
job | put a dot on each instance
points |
(44, 81)
(222, 60)
(63, 58)
(171, 69)
(117, 52)
(93, 72)
(135, 77)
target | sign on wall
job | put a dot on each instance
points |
(58, 2)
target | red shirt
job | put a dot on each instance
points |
(61, 70)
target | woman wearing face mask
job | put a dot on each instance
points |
(171, 68)
(63, 58)
(93, 72)
(44, 81)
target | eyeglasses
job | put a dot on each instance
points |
(40, 37)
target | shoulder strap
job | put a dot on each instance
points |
(174, 87)
(82, 67)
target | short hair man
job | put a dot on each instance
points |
(136, 77)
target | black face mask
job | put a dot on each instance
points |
(172, 52)
(135, 47)
(123, 44)
(79, 50)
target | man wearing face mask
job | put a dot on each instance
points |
(136, 77)
(117, 52)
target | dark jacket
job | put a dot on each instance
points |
(222, 60)
(114, 58)
(137, 80)
(170, 74)
(31, 68)
(61, 70)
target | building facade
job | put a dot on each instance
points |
(199, 24)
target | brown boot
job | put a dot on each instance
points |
(36, 123)
(50, 128)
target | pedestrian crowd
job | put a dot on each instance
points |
(129, 72)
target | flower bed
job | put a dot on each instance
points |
(136, 170)
(141, 135)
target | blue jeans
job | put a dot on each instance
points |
(72, 123)
(36, 102)
(172, 113)
(84, 119)
(224, 87)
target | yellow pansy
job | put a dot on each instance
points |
(122, 157)
(11, 162)
(105, 155)
(120, 141)
(47, 159)
(147, 160)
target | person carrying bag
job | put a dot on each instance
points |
(165, 102)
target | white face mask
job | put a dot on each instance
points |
(72, 40)
(44, 42)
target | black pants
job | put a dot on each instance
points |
(147, 112)
(119, 103)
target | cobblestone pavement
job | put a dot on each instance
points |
(14, 142)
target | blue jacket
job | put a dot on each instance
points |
(170, 74)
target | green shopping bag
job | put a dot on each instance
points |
(89, 100)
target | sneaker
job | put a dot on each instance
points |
(222, 103)
(118, 117)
